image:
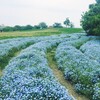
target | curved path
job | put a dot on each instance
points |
(59, 75)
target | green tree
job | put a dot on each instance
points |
(71, 25)
(91, 19)
(28, 27)
(2, 27)
(43, 25)
(8, 29)
(17, 28)
(67, 22)
(36, 27)
(98, 1)
(57, 25)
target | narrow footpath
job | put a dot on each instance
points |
(59, 75)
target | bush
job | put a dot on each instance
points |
(91, 19)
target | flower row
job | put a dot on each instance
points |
(92, 49)
(9, 45)
(28, 76)
(79, 68)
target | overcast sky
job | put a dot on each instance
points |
(23, 12)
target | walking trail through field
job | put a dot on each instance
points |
(59, 75)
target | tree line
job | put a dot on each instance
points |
(41, 25)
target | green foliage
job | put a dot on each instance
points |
(91, 19)
(57, 25)
(23, 28)
(71, 25)
(27, 27)
(17, 27)
(36, 27)
(1, 27)
(42, 25)
(67, 22)
(8, 29)
(98, 1)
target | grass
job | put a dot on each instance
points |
(70, 30)
(43, 32)
(59, 75)
(6, 59)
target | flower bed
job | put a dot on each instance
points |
(78, 68)
(28, 76)
(92, 49)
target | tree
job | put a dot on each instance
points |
(71, 25)
(57, 25)
(8, 29)
(2, 27)
(42, 25)
(17, 28)
(98, 1)
(21, 28)
(91, 19)
(67, 22)
(36, 27)
(28, 27)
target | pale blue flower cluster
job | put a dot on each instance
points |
(92, 49)
(79, 67)
(28, 76)
(9, 46)
(96, 95)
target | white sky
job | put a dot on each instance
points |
(23, 12)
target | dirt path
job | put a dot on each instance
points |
(60, 77)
